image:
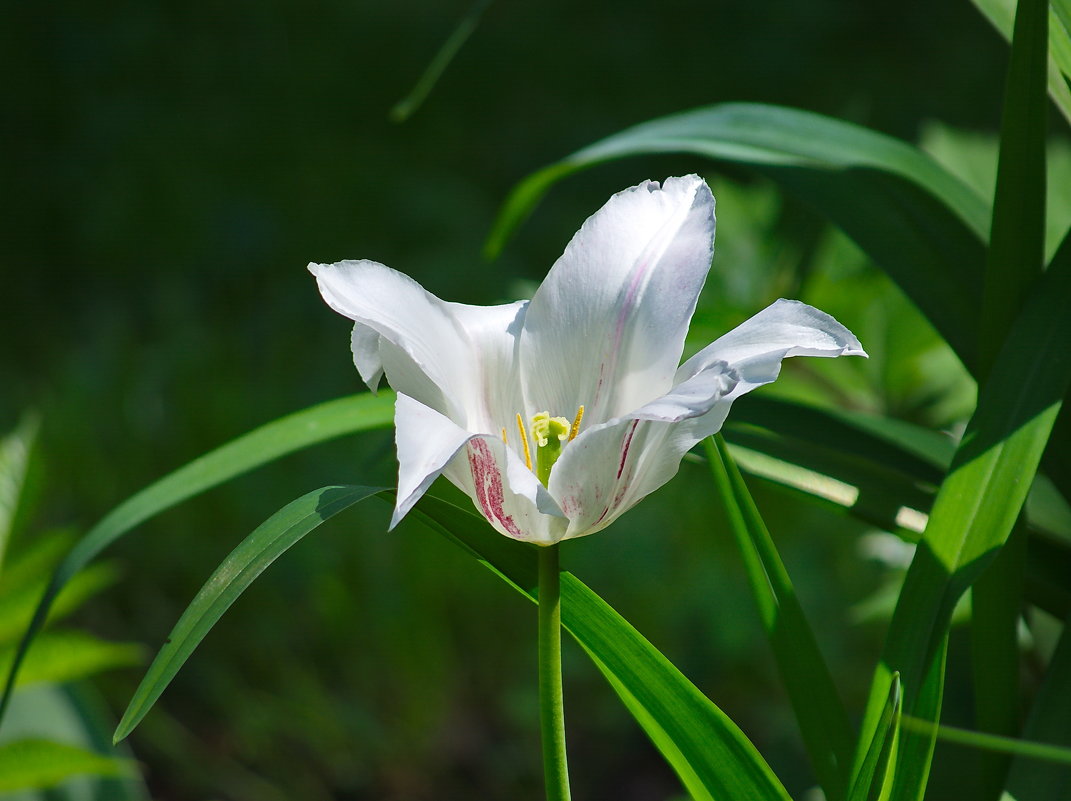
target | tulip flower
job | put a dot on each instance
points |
(558, 414)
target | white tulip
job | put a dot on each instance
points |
(557, 415)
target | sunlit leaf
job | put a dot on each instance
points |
(978, 503)
(17, 608)
(875, 775)
(39, 764)
(63, 656)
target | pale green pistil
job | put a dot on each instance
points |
(548, 434)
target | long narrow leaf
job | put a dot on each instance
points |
(1001, 14)
(977, 504)
(917, 221)
(1015, 259)
(1017, 235)
(265, 444)
(712, 757)
(876, 771)
(241, 567)
(995, 744)
(886, 473)
(818, 707)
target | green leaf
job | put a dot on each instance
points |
(712, 757)
(886, 473)
(1001, 14)
(241, 567)
(17, 608)
(994, 743)
(15, 451)
(1017, 235)
(918, 222)
(40, 764)
(819, 710)
(978, 503)
(260, 446)
(874, 467)
(875, 775)
(1015, 260)
(34, 560)
(63, 656)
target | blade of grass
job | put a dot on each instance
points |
(819, 710)
(407, 106)
(239, 569)
(977, 504)
(712, 757)
(1001, 15)
(1017, 234)
(1015, 259)
(875, 773)
(996, 600)
(260, 446)
(993, 743)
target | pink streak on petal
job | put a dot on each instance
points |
(487, 480)
(625, 446)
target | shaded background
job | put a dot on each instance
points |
(168, 171)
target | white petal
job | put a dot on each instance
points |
(612, 466)
(756, 347)
(364, 342)
(493, 333)
(421, 348)
(426, 441)
(503, 489)
(607, 326)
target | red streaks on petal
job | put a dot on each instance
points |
(625, 446)
(487, 480)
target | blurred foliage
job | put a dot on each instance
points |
(170, 169)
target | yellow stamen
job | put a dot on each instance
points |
(524, 439)
(504, 435)
(576, 424)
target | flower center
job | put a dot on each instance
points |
(549, 434)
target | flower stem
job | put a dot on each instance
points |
(551, 705)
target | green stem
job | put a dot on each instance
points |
(551, 705)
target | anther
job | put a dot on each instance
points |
(576, 424)
(524, 439)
